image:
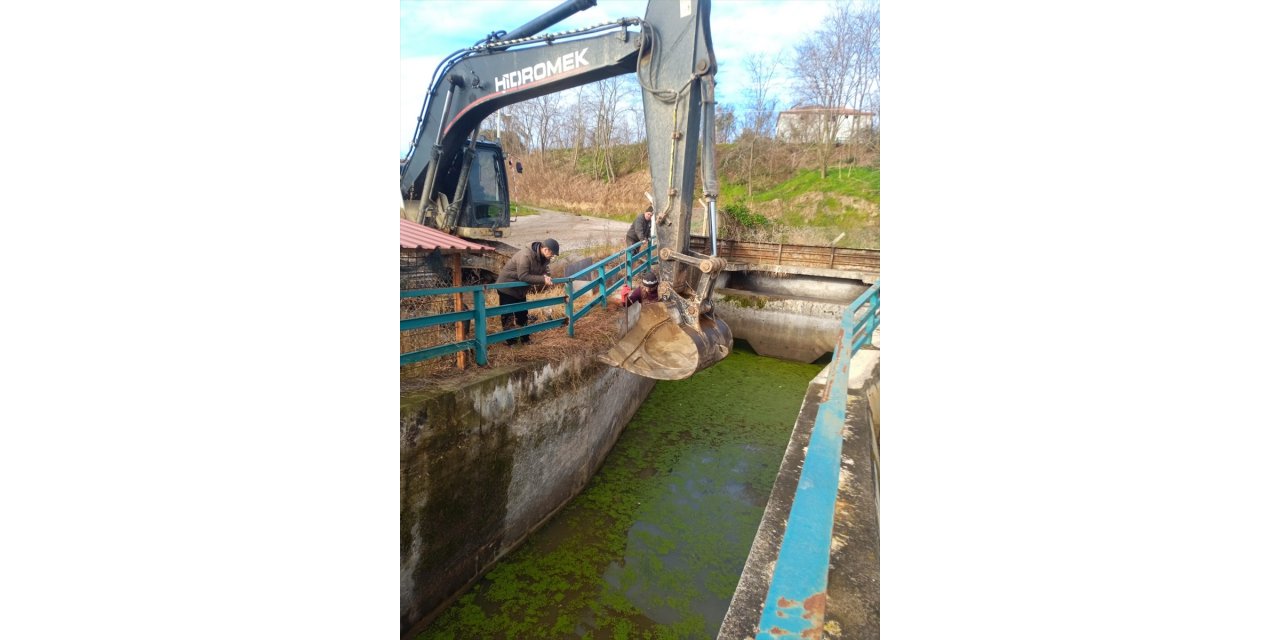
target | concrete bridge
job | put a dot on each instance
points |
(786, 300)
(796, 258)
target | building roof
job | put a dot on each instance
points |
(416, 236)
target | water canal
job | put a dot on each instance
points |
(654, 545)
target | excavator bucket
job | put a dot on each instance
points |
(659, 347)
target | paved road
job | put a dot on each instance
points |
(573, 232)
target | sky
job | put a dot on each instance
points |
(432, 29)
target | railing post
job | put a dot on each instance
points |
(604, 286)
(568, 304)
(874, 311)
(481, 328)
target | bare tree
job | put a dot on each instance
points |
(536, 119)
(608, 101)
(848, 46)
(512, 128)
(630, 126)
(866, 72)
(726, 123)
(561, 113)
(763, 107)
(577, 123)
(762, 110)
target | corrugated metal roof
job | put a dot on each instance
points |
(416, 236)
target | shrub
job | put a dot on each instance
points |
(744, 217)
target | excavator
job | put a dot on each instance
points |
(459, 184)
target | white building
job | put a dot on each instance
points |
(803, 124)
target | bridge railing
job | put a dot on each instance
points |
(795, 255)
(800, 573)
(600, 279)
(603, 278)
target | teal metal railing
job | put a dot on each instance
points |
(793, 607)
(602, 278)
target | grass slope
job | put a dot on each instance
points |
(769, 192)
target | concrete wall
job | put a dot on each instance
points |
(827, 285)
(852, 602)
(483, 465)
(797, 329)
(853, 584)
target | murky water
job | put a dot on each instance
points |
(654, 546)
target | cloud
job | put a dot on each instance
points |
(770, 28)
(435, 25)
(415, 74)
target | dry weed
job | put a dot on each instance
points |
(593, 334)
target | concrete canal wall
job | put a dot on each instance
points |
(789, 316)
(484, 465)
(850, 606)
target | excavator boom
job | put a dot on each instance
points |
(681, 335)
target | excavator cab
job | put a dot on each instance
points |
(486, 204)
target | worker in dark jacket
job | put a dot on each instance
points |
(648, 291)
(640, 228)
(527, 265)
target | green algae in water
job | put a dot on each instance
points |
(654, 546)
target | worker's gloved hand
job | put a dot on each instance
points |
(623, 292)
